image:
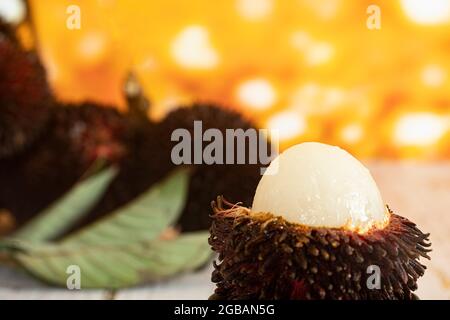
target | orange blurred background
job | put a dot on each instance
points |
(312, 69)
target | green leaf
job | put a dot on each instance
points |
(55, 220)
(116, 266)
(143, 219)
(123, 249)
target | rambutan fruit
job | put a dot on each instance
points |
(73, 139)
(149, 159)
(318, 229)
(236, 181)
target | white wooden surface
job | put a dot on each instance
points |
(418, 191)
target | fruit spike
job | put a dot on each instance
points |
(322, 186)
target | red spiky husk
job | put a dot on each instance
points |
(262, 256)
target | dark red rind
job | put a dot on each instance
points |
(236, 182)
(73, 139)
(25, 96)
(265, 257)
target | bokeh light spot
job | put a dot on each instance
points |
(352, 133)
(192, 49)
(420, 129)
(427, 12)
(12, 11)
(254, 9)
(319, 53)
(433, 75)
(289, 124)
(257, 94)
(92, 47)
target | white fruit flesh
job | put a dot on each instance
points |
(319, 185)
